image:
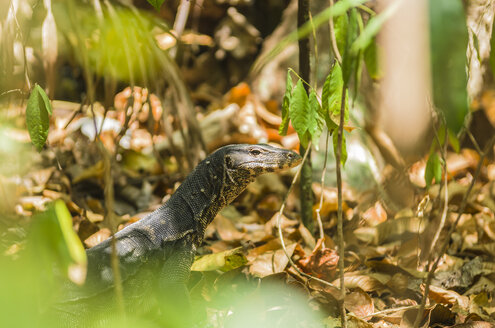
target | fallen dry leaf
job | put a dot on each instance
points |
(97, 237)
(322, 262)
(359, 303)
(271, 262)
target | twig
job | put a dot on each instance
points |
(473, 140)
(443, 218)
(315, 42)
(389, 311)
(279, 227)
(78, 111)
(318, 210)
(12, 91)
(367, 10)
(445, 244)
(305, 83)
(24, 57)
(333, 41)
(180, 23)
(340, 220)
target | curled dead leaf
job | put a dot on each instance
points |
(359, 303)
(449, 297)
(322, 262)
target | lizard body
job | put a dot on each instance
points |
(156, 253)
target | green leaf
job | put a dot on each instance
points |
(316, 119)
(224, 261)
(433, 169)
(336, 84)
(340, 30)
(282, 130)
(156, 3)
(448, 43)
(299, 112)
(492, 51)
(53, 241)
(441, 134)
(38, 113)
(371, 60)
(454, 142)
(359, 62)
(326, 94)
(343, 156)
(349, 58)
(71, 240)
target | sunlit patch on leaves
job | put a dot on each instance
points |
(38, 113)
(120, 45)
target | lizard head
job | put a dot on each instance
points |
(223, 175)
(251, 161)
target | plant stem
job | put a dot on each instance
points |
(340, 219)
(307, 171)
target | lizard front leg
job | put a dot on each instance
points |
(173, 296)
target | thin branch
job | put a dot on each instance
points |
(180, 23)
(340, 219)
(445, 244)
(367, 10)
(473, 140)
(333, 41)
(443, 154)
(12, 91)
(78, 111)
(318, 210)
(24, 56)
(304, 82)
(374, 314)
(279, 227)
(316, 50)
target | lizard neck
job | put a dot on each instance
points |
(209, 188)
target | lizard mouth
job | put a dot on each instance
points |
(273, 166)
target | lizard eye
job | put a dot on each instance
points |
(254, 152)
